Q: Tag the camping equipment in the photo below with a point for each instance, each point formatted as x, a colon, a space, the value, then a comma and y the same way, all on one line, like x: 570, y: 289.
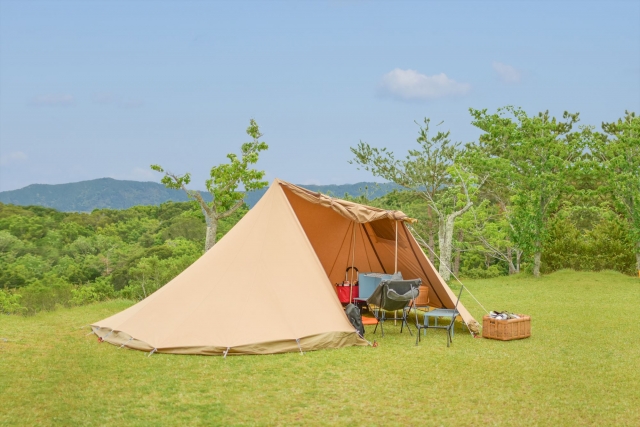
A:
x: 393, y: 295
x: 503, y: 315
x: 452, y: 313
x: 347, y: 290
x: 506, y: 329
x: 369, y: 282
x: 353, y: 314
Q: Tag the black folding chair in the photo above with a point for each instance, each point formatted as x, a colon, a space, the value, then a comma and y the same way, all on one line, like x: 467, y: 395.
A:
x: 393, y: 295
x: 440, y: 312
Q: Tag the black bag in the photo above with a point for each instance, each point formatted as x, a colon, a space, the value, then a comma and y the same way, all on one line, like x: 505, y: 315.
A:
x: 353, y: 314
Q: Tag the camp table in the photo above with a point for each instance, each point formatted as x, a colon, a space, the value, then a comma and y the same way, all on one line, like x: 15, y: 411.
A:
x: 438, y: 312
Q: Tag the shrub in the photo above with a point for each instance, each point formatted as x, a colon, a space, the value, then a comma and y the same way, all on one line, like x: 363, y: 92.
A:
x: 46, y: 293
x: 10, y: 303
x: 483, y: 273
x: 100, y: 290
x: 607, y: 246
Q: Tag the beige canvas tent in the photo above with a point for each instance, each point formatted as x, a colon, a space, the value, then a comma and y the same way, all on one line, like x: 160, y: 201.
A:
x: 267, y: 286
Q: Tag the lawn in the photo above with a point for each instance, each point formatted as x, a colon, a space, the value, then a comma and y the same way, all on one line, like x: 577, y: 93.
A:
x: 580, y: 367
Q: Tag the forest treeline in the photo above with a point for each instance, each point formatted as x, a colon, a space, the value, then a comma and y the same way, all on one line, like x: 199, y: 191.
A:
x: 532, y: 195
x: 50, y: 258
x: 535, y: 192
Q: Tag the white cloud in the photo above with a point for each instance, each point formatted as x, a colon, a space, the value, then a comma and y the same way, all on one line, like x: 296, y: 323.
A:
x: 507, y: 73
x: 54, y: 99
x: 13, y: 157
x: 411, y: 85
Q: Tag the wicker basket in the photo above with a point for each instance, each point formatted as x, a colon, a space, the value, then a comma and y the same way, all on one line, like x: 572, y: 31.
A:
x: 505, y: 330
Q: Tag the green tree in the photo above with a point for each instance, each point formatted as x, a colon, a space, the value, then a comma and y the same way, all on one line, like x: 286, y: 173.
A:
x: 433, y: 173
x: 488, y: 230
x: 618, y: 149
x: 224, y: 183
x: 534, y: 156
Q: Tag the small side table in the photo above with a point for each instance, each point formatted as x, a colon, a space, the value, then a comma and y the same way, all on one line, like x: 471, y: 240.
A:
x: 438, y: 312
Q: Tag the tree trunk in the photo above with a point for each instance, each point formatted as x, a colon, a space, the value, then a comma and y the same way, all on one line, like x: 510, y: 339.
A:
x: 445, y: 236
x: 212, y: 230
x: 518, y: 256
x: 536, y: 264
x: 456, y: 262
x: 512, y: 268
x: 638, y: 259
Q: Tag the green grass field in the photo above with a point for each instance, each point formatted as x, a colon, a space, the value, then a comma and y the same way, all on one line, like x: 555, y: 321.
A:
x: 580, y: 367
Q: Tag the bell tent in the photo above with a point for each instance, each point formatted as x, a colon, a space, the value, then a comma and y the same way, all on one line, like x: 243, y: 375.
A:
x: 267, y: 286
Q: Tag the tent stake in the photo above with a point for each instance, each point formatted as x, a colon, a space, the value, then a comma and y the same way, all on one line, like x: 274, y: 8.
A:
x: 152, y: 351
x: 298, y: 342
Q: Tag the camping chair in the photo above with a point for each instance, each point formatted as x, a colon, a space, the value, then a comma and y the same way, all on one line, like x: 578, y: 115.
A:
x: 440, y: 312
x: 393, y: 295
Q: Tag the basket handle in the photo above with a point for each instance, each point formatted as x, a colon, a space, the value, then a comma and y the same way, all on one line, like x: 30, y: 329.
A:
x: 346, y: 272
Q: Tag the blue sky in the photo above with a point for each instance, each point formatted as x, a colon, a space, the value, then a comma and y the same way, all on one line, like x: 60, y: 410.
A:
x: 97, y: 89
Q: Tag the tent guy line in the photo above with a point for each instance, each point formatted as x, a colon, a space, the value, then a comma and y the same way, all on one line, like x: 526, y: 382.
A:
x: 413, y: 231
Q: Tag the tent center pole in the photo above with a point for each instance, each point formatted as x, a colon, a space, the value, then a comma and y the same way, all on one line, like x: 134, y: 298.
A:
x: 353, y: 253
x: 396, y: 264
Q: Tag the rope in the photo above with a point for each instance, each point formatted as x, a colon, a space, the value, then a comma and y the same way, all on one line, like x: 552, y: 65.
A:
x: 475, y: 299
x: 299, y: 346
x: 454, y: 276
x: 152, y: 351
x: 126, y: 342
x: 225, y: 353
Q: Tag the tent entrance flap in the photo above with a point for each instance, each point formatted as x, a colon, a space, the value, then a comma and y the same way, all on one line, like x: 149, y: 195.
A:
x: 386, y: 245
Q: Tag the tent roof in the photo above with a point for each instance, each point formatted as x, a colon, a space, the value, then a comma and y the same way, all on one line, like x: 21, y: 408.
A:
x: 350, y: 210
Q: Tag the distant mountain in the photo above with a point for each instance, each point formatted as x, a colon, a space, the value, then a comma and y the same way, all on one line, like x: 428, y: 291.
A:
x: 84, y: 196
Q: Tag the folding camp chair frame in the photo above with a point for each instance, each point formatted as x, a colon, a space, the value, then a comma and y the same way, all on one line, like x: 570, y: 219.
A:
x: 380, y: 313
x: 449, y: 328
